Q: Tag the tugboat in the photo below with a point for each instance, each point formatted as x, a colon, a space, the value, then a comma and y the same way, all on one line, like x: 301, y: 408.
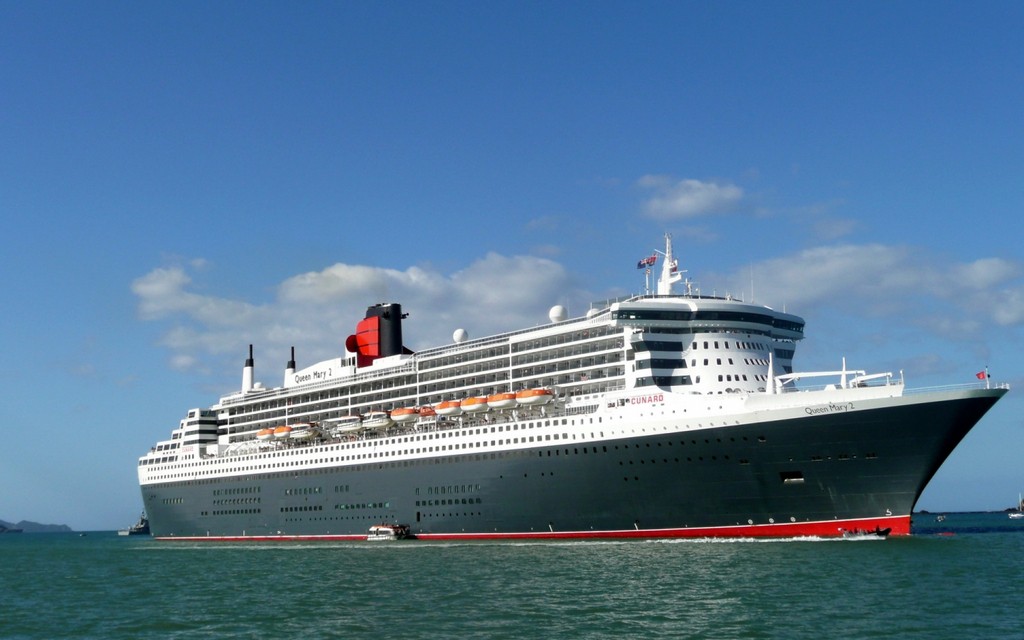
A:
x: 387, y: 532
x: 140, y: 528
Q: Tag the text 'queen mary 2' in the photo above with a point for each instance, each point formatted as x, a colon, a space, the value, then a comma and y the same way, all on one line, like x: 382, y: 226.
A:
x: 660, y: 415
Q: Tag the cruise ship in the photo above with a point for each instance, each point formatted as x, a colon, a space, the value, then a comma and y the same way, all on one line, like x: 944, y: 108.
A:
x: 659, y: 415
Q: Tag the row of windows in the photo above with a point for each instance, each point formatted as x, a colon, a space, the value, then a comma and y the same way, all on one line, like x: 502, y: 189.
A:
x: 227, y: 501
x: 464, y: 356
x: 662, y: 363
x: 165, y: 459
x: 448, y: 501
x: 563, y: 338
x: 455, y: 375
x: 612, y: 345
x: 706, y: 315
x: 364, y: 505
x: 450, y: 489
x: 664, y: 381
x: 235, y: 491
x: 657, y: 345
x: 302, y: 491
x: 229, y: 512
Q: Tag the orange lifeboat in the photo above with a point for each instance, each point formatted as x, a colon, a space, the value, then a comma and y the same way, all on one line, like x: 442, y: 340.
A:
x: 534, y: 396
x: 405, y: 414
x: 501, y: 400
x: 449, y: 408
x: 265, y: 434
x: 283, y: 432
x: 475, y: 404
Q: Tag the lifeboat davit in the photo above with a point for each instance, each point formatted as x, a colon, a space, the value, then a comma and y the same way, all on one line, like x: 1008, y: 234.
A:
x: 534, y: 396
x: 475, y: 404
x: 405, y: 414
x: 449, y: 408
x: 265, y: 434
x: 377, y: 420
x: 283, y: 432
x: 503, y: 400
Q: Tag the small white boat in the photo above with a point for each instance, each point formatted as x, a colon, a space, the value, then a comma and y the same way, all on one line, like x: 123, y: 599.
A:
x: 303, y: 431
x: 386, y: 532
x: 1019, y: 513
x: 346, y: 424
x: 377, y: 420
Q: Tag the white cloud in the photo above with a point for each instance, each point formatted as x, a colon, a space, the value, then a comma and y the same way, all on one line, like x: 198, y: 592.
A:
x: 1009, y: 308
x: 898, y: 282
x: 984, y: 273
x: 162, y: 293
x: 674, y: 199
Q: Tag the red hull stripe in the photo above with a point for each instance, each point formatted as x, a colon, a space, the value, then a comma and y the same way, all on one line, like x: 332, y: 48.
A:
x: 899, y: 525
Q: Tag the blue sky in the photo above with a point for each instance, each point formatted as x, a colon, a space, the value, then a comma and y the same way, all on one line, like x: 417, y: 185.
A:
x: 178, y: 180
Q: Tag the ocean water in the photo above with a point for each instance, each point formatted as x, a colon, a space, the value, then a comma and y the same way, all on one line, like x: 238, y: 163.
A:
x: 959, y: 578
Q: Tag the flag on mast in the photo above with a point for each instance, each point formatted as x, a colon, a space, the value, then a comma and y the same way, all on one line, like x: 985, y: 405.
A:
x: 647, y: 262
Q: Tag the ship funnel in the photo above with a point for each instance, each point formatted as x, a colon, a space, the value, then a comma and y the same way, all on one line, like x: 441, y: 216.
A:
x: 378, y: 335
x: 247, y: 373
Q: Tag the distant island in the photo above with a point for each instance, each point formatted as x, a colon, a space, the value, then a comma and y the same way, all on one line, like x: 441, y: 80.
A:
x: 32, y: 527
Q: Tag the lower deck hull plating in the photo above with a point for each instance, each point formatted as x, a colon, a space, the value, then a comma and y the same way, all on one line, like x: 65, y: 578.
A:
x: 818, y: 475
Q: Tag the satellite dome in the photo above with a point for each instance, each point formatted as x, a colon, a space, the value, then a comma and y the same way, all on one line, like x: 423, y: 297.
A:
x: 558, y: 313
x: 460, y: 335
x: 592, y: 312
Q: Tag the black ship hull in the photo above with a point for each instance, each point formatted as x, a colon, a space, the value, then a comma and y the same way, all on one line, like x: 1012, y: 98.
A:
x: 802, y: 473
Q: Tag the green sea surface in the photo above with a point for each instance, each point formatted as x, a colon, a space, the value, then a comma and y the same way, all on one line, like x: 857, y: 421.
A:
x: 955, y: 578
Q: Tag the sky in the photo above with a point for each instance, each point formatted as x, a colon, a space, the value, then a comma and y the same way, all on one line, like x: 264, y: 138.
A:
x: 179, y: 180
